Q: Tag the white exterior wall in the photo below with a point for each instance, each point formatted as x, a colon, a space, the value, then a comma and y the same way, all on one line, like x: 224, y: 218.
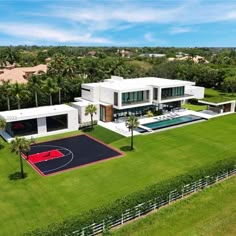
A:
x: 42, y: 126
x: 107, y: 95
x: 73, y: 122
x: 72, y: 119
x: 233, y: 106
x: 197, y: 92
x: 91, y: 95
x: 81, y: 113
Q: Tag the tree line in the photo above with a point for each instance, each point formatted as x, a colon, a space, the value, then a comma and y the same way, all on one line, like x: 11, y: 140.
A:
x: 65, y: 75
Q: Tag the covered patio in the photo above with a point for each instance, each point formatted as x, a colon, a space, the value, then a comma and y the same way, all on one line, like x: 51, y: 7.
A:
x: 218, y: 107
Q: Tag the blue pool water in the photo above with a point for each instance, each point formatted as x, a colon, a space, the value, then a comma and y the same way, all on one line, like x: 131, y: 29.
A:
x: 140, y: 130
x: 171, y: 122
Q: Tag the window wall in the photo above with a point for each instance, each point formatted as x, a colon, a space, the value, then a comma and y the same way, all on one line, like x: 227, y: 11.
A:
x: 172, y: 92
x: 130, y: 98
x: 22, y: 128
x: 155, y: 94
x: 57, y: 122
x: 137, y: 111
x: 115, y: 99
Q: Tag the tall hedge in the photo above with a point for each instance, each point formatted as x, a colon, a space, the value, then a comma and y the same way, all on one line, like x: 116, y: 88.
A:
x: 115, y: 209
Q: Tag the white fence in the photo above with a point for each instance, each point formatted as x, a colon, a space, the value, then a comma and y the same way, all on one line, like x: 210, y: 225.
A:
x: 146, y: 207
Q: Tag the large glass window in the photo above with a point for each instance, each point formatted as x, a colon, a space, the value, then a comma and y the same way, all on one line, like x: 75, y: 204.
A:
x: 134, y: 97
x: 115, y: 99
x: 172, y: 92
x: 102, y: 113
x: 56, y: 122
x: 155, y: 94
x: 22, y: 128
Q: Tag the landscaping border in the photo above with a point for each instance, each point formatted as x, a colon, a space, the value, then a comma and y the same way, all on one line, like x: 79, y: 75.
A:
x: 135, y: 205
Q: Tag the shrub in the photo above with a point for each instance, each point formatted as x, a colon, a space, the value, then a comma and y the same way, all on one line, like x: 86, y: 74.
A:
x: 114, y: 209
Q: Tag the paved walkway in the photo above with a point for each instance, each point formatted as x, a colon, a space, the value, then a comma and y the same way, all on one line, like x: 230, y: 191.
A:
x: 120, y: 127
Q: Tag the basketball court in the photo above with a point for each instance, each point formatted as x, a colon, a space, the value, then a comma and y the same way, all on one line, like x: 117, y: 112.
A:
x: 67, y: 153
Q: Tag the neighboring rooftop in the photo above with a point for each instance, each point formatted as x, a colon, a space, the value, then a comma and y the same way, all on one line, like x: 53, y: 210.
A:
x: 21, y: 74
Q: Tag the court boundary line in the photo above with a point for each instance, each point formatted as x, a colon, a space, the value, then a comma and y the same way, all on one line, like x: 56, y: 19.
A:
x: 71, y: 136
x: 58, y: 148
x: 83, y: 165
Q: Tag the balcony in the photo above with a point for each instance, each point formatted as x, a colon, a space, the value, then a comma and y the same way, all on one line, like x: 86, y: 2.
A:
x: 176, y: 97
x: 131, y: 103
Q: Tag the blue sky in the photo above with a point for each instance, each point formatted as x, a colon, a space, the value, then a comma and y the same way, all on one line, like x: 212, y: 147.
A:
x: 118, y: 23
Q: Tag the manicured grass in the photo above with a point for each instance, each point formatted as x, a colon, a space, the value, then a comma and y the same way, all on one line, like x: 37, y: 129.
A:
x: 104, y: 135
x: 212, y: 95
x: 194, y: 107
x: 211, y: 212
x: 38, y: 201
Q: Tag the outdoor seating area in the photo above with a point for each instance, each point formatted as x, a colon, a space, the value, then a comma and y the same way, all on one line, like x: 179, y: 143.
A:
x: 168, y: 116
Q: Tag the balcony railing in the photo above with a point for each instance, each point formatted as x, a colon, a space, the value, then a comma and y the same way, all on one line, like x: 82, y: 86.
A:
x: 128, y: 103
x: 175, y: 97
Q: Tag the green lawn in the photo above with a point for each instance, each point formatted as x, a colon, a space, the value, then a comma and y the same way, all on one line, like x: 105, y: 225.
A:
x: 211, y: 212
x: 37, y: 201
x: 194, y: 107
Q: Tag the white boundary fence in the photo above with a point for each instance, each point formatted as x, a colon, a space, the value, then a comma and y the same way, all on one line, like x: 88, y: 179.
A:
x: 151, y: 205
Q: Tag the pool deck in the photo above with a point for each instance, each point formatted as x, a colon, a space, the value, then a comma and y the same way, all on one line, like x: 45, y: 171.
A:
x: 122, y: 129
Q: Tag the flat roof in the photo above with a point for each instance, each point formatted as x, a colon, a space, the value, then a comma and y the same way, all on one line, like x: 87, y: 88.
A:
x: 139, y: 83
x: 83, y: 102
x: 35, y: 112
x: 216, y: 103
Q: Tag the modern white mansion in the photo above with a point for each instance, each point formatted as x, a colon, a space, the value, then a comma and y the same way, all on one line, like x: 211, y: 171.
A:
x: 118, y: 97
x: 114, y: 98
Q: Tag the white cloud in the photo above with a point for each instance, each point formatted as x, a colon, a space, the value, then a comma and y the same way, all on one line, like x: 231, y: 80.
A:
x: 180, y: 30
x: 47, y: 33
x: 100, y: 16
x: 149, y: 37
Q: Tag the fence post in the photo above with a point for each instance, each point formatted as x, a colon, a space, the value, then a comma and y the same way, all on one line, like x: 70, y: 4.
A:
x: 122, y: 219
x: 155, y: 204
x: 103, y: 226
x: 217, y: 177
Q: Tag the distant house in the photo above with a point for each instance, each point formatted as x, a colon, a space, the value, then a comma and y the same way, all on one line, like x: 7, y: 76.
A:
x: 21, y: 74
x: 49, y: 59
x: 184, y: 57
x: 92, y: 53
x: 156, y: 55
x: 124, y: 53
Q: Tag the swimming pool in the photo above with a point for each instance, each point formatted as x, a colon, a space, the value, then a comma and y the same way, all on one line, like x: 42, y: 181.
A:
x: 140, y: 130
x: 172, y: 122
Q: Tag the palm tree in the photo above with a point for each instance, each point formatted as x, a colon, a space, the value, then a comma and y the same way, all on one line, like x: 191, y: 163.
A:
x: 6, y: 91
x: 132, y: 123
x: 91, y: 110
x: 2, y: 58
x: 2, y: 123
x: 59, y: 81
x: 34, y: 84
x: 19, y: 145
x: 50, y: 87
x: 69, y: 68
x: 19, y: 91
